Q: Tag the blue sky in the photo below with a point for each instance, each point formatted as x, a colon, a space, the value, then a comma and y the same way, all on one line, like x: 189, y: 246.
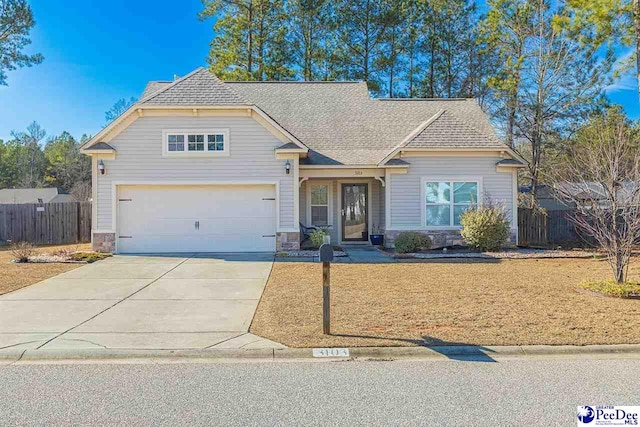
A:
x: 95, y: 53
x: 98, y: 52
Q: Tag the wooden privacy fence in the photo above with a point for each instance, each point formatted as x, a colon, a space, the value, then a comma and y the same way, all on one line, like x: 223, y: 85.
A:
x: 553, y: 227
x: 48, y: 223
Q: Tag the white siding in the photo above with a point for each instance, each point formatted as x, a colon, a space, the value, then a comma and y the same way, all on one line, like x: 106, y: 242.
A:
x: 406, y: 192
x: 139, y: 158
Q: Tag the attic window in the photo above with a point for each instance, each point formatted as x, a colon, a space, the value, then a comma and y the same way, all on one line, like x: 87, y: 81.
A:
x: 186, y: 143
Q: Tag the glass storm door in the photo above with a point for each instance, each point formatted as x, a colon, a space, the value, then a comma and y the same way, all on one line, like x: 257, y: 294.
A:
x: 355, y: 198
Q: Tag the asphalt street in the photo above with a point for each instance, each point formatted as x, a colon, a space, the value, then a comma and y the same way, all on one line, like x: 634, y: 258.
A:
x: 522, y: 392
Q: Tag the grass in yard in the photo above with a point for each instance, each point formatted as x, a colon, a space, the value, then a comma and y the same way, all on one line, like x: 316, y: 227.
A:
x: 16, y: 276
x: 447, y: 302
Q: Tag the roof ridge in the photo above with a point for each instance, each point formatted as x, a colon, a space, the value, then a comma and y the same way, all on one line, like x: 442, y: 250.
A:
x: 293, y: 81
x: 425, y: 99
x: 167, y: 87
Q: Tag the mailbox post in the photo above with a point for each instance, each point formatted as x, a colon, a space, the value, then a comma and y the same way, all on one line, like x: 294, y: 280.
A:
x: 326, y: 256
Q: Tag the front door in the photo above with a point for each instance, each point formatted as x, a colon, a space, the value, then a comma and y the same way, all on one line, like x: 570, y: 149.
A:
x: 355, y: 202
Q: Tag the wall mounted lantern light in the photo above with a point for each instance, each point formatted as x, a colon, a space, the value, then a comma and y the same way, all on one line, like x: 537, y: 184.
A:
x: 287, y: 167
x: 101, y: 167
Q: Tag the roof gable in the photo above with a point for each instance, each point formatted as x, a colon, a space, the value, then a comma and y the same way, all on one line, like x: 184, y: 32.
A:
x: 337, y: 121
x: 197, y: 88
x: 448, y: 131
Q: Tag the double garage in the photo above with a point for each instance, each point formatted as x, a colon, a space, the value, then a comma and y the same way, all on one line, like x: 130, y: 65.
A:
x: 196, y: 218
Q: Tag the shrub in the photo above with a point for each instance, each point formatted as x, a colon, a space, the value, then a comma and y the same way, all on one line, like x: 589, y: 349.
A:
x: 88, y: 257
x: 22, y: 251
x: 485, y: 228
x: 317, y: 238
x: 613, y: 289
x: 411, y: 241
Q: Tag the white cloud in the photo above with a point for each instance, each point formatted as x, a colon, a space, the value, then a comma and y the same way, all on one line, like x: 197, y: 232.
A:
x: 626, y: 82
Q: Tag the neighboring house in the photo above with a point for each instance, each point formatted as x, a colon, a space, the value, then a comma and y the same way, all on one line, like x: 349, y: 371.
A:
x: 546, y: 198
x: 586, y: 193
x: 14, y: 196
x: 204, y: 165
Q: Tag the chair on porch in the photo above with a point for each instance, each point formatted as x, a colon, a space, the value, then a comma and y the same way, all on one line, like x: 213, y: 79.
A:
x: 305, y: 232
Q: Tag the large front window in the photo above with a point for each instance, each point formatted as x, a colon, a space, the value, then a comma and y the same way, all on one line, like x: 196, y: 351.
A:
x: 446, y: 201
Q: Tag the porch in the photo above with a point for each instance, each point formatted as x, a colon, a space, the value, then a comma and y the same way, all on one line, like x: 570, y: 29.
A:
x: 351, y: 203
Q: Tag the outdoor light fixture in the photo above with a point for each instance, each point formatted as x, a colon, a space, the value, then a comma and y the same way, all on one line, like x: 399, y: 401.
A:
x: 101, y: 167
x: 287, y: 167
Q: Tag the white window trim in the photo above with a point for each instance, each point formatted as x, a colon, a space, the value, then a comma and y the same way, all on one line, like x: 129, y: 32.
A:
x: 329, y: 186
x: 186, y: 153
x: 423, y: 198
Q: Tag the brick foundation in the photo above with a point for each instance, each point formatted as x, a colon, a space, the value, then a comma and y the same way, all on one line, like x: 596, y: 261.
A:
x: 287, y: 241
x: 104, y: 242
x: 440, y: 238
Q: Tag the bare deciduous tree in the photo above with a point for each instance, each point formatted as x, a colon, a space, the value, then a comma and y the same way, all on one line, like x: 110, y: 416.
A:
x: 601, y: 177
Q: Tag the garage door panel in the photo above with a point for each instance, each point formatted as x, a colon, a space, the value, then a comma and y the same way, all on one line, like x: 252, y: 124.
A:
x: 234, y: 218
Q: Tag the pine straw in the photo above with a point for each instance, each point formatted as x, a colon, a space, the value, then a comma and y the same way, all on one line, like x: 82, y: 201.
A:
x: 447, y: 302
x: 16, y: 276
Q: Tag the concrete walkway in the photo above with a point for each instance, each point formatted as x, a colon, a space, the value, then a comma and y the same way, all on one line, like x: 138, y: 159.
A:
x: 193, y: 301
x: 365, y: 254
x: 356, y: 254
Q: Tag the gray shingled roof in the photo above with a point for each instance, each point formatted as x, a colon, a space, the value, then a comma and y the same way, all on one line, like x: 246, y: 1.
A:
x: 197, y: 88
x: 339, y: 121
x: 288, y: 146
x: 447, y: 130
x: 153, y: 87
x: 397, y: 162
x: 341, y: 124
x: 510, y: 162
x: 102, y: 146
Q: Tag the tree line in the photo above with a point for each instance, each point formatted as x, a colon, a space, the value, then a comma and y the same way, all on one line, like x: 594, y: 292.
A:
x: 31, y: 160
x: 539, y: 67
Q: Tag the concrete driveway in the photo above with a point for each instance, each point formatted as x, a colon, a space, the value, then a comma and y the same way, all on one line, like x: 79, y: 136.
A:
x: 141, y: 302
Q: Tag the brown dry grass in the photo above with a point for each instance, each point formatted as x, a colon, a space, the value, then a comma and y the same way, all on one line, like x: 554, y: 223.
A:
x: 447, y: 302
x: 16, y: 276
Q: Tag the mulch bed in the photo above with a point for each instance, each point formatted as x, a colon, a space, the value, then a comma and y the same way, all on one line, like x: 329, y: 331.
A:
x: 505, y: 254
x: 15, y: 276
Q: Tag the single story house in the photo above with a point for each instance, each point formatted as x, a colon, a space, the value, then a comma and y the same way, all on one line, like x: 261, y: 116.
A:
x: 553, y: 197
x: 12, y: 196
x: 199, y: 164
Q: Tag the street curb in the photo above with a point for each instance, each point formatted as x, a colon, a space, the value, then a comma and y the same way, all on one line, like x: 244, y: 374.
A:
x: 477, y: 353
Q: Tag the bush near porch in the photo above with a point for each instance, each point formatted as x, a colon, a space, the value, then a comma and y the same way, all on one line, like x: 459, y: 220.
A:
x: 447, y: 302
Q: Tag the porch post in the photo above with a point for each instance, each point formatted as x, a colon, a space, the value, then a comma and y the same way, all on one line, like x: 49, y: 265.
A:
x: 387, y: 199
x: 296, y: 191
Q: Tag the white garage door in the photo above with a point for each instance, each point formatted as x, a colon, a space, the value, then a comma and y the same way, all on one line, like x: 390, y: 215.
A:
x: 220, y: 218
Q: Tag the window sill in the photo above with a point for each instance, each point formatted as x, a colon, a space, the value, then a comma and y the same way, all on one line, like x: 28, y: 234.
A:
x: 196, y: 154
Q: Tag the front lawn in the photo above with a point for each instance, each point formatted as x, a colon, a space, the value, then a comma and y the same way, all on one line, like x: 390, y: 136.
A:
x: 16, y: 276
x: 447, y: 302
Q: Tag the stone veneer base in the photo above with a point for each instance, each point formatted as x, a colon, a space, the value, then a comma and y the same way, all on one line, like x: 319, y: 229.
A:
x: 287, y: 241
x: 439, y: 238
x: 104, y: 242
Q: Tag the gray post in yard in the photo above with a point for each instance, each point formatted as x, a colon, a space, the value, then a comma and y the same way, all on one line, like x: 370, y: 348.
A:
x: 326, y: 256
x: 326, y: 298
